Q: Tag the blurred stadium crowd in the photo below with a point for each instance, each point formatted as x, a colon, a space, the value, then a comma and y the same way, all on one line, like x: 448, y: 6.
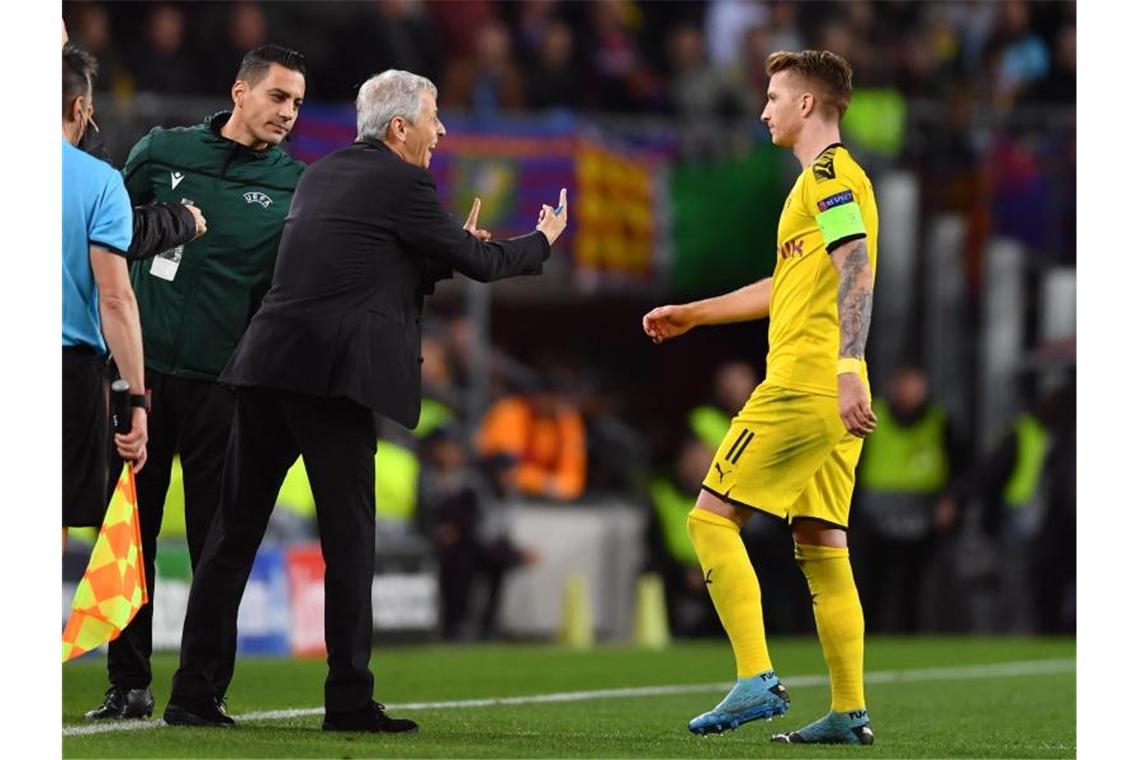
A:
x: 682, y: 58
x: 975, y: 531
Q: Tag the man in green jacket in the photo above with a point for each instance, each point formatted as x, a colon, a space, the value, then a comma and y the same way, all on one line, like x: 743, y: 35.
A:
x: 195, y: 302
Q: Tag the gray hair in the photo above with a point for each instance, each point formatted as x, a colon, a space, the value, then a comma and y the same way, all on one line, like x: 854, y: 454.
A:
x: 386, y: 96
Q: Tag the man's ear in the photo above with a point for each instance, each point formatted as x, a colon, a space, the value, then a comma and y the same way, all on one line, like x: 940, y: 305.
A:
x: 807, y: 104
x: 399, y: 128
x: 78, y: 109
x: 238, y: 92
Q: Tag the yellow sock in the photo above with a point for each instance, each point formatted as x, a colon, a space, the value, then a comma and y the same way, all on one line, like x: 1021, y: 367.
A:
x: 838, y: 619
x: 731, y: 581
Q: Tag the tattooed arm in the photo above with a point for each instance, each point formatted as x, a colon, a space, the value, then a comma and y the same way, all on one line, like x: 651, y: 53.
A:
x: 856, y: 288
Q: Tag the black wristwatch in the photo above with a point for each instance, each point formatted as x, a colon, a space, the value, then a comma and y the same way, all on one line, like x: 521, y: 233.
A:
x: 141, y: 399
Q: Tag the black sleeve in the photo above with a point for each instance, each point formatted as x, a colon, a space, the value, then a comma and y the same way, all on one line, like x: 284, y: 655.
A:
x: 433, y: 273
x: 427, y: 228
x: 159, y: 227
x: 958, y: 452
x: 994, y: 474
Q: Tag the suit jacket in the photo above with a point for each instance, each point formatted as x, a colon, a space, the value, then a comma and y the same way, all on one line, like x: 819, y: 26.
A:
x: 366, y: 237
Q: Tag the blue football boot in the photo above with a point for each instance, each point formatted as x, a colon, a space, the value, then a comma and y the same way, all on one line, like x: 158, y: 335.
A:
x: 850, y: 727
x: 762, y: 696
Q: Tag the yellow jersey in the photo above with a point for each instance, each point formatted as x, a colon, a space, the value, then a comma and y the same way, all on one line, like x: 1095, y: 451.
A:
x: 831, y: 204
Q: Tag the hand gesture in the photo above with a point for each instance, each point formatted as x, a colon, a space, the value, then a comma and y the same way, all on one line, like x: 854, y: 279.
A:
x: 199, y: 220
x: 945, y: 513
x: 132, y: 446
x: 472, y: 223
x: 666, y: 322
x: 855, y: 405
x: 552, y: 221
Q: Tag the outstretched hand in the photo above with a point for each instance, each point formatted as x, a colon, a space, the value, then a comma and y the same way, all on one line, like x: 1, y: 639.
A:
x: 666, y: 322
x: 472, y: 223
x: 552, y: 221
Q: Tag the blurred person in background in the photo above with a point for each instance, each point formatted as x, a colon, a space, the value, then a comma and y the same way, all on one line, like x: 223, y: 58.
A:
x: 543, y: 435
x: 441, y: 403
x: 1053, y: 552
x: 554, y: 80
x: 733, y: 383
x: 671, y: 553
x: 792, y: 450
x: 335, y: 341
x: 904, y: 498
x: 456, y: 21
x: 700, y: 95
x: 389, y: 34
x: 1027, y: 488
x: 490, y: 82
x: 727, y: 23
x: 532, y: 22
x: 195, y: 302
x: 459, y: 510
x: 90, y: 24
x: 243, y: 28
x: 783, y: 26
x: 620, y: 78
x: 617, y: 454
x: 161, y: 61
x: 99, y: 308
x: 1060, y: 84
x: 503, y: 371
x: 1017, y: 56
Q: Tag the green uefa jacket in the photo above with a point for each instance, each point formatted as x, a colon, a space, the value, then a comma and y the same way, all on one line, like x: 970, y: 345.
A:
x: 196, y: 300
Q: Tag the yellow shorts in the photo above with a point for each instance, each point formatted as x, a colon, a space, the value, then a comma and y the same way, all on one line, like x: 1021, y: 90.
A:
x: 788, y: 454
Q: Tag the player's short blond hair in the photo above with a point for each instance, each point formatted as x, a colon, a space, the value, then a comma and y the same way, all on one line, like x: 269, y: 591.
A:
x: 831, y: 73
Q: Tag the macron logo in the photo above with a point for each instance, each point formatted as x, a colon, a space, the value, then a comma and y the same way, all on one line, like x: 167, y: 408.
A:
x: 176, y: 179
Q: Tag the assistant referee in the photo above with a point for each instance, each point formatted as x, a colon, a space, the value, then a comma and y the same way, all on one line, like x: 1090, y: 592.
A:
x: 97, y: 302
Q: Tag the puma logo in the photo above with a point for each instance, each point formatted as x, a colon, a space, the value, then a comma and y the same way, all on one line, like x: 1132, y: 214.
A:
x: 719, y: 471
x: 708, y: 577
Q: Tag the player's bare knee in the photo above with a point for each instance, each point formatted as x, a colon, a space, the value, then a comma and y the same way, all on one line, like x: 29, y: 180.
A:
x: 811, y: 532
x: 710, y: 502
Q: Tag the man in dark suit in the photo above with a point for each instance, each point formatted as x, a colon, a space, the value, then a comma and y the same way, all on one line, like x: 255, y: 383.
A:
x: 336, y: 337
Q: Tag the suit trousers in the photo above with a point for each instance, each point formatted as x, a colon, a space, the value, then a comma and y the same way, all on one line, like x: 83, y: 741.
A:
x: 191, y: 418
x: 337, y: 439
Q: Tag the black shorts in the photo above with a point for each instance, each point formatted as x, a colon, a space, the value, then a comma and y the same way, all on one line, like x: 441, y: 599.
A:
x: 86, y: 438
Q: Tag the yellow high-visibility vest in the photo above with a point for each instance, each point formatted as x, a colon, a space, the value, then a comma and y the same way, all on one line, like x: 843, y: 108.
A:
x: 898, y: 459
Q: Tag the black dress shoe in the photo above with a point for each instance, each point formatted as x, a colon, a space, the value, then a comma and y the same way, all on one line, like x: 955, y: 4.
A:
x: 123, y: 703
x: 198, y: 712
x: 371, y: 718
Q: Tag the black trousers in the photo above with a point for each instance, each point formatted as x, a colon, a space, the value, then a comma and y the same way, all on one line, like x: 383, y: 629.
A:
x: 193, y: 419
x: 337, y: 439
x: 85, y: 437
x: 897, y: 571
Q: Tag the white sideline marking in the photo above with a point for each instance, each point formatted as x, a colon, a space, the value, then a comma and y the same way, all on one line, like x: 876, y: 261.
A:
x: 953, y: 673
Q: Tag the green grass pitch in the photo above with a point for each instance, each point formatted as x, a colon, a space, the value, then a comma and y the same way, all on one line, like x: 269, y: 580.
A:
x: 925, y: 700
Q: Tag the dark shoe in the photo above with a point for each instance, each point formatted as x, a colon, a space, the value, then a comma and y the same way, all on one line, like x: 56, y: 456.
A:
x: 123, y: 703
x: 198, y: 712
x: 371, y: 718
x: 851, y: 727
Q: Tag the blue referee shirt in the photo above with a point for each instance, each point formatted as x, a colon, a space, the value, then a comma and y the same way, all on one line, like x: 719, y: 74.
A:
x: 96, y: 210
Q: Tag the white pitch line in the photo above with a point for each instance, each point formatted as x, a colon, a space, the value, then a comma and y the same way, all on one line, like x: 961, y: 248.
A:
x: 953, y: 673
